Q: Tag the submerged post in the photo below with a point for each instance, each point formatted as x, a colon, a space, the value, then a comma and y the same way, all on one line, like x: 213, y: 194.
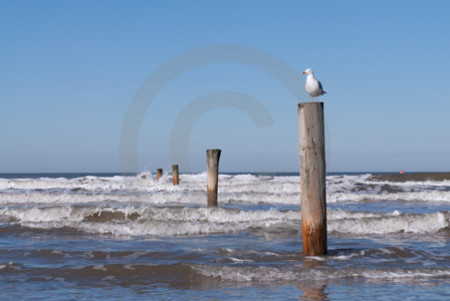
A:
x: 175, y: 177
x: 312, y: 177
x: 159, y: 173
x: 212, y: 166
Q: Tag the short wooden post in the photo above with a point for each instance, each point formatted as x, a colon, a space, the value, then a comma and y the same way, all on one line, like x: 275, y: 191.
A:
x: 312, y: 178
x: 175, y: 177
x: 212, y: 165
x: 159, y: 173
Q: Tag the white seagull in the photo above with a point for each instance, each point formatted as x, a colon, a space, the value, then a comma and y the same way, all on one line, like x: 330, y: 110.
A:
x: 312, y: 85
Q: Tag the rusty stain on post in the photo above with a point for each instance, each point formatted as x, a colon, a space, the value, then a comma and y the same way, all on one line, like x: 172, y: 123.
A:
x: 175, y: 176
x: 212, y: 164
x: 312, y: 178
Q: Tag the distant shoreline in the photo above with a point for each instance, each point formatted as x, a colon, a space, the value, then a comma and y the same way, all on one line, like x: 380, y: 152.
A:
x: 381, y: 176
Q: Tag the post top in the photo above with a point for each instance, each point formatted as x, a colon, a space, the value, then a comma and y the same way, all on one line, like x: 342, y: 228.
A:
x: 310, y: 103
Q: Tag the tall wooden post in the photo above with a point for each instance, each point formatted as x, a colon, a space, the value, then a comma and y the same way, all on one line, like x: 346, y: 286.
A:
x: 175, y: 177
x: 159, y: 173
x: 312, y: 177
x: 212, y: 165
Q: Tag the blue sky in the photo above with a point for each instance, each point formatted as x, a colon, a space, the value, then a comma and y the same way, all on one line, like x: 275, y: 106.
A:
x: 69, y: 71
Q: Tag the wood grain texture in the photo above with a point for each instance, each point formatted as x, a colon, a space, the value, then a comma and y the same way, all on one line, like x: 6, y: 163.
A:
x: 312, y: 178
x: 212, y: 165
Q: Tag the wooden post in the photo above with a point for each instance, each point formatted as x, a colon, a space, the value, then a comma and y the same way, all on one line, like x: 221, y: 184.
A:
x: 159, y: 173
x: 175, y: 177
x: 212, y: 165
x: 312, y: 177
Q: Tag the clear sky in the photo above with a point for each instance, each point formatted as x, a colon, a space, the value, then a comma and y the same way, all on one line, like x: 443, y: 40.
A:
x: 69, y: 71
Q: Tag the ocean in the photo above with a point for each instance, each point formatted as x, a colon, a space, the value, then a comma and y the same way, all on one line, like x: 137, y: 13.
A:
x: 131, y: 237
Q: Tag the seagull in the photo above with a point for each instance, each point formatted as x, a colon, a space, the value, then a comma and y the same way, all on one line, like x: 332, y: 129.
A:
x: 312, y: 85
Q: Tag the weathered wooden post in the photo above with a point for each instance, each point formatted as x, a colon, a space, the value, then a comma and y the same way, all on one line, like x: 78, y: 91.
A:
x: 312, y: 177
x: 159, y: 173
x: 212, y: 166
x: 175, y: 177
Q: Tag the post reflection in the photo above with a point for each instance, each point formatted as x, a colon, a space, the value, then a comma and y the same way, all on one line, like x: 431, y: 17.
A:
x: 312, y: 291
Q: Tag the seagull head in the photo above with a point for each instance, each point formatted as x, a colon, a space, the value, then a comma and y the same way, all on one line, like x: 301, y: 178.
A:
x: 308, y: 71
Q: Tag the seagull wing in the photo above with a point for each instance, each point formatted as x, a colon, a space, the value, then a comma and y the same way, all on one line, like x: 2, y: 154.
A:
x: 320, y: 87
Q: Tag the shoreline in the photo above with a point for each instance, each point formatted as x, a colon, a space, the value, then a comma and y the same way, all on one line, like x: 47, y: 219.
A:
x: 379, y: 176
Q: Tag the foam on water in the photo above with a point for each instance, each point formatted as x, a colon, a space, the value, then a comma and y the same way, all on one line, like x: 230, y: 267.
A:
x: 267, y: 274
x: 247, y: 189
x: 170, y: 221
x: 422, y: 196
x: 393, y: 223
x: 128, y: 205
x: 139, y: 233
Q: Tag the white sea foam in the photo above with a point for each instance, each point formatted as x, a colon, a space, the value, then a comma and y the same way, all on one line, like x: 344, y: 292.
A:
x: 173, y: 221
x: 339, y: 257
x: 80, y: 203
x: 240, y: 260
x: 168, y: 221
x: 100, y: 267
x: 384, y: 224
x: 267, y: 274
x: 422, y: 196
x: 250, y: 189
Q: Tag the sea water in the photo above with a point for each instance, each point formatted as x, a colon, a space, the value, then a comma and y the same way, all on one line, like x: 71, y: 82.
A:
x: 85, y: 237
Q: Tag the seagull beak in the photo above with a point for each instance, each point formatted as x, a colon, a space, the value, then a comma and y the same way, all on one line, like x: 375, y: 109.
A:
x: 303, y: 72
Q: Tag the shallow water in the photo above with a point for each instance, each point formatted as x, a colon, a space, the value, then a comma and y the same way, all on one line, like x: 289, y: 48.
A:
x: 130, y: 237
